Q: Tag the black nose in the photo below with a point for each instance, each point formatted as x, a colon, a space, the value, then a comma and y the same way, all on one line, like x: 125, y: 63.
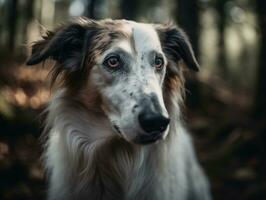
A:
x: 152, y: 122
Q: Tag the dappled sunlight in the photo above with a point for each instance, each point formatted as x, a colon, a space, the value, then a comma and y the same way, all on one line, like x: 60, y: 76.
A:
x: 33, y: 89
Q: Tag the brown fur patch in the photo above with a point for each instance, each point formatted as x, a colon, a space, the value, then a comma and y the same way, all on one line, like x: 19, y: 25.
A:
x: 178, y: 50
x: 74, y: 48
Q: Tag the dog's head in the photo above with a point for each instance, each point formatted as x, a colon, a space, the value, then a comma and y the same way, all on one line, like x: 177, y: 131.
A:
x: 122, y: 68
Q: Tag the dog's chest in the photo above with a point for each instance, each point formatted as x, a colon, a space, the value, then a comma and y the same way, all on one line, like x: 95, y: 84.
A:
x: 147, y: 174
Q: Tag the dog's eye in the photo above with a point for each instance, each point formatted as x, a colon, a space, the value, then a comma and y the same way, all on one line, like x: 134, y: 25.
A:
x: 158, y: 63
x: 112, y: 62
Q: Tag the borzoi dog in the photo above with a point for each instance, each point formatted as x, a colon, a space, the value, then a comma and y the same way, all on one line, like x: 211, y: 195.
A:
x: 114, y: 123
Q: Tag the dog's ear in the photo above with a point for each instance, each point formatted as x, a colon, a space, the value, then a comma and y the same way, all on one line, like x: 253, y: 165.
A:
x: 67, y: 45
x: 176, y: 45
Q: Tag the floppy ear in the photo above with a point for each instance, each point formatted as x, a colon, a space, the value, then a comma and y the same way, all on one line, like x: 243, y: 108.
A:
x: 67, y: 46
x: 176, y: 46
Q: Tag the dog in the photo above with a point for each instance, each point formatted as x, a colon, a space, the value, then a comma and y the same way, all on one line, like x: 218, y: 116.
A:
x: 114, y: 124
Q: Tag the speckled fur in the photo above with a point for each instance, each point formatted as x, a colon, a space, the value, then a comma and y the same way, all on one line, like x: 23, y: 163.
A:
x: 85, y: 157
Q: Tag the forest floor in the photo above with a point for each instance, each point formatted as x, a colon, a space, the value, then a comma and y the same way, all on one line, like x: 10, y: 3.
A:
x: 229, y: 138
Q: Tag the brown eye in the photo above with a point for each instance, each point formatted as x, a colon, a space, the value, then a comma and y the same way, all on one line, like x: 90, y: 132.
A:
x: 158, y: 63
x: 112, y: 62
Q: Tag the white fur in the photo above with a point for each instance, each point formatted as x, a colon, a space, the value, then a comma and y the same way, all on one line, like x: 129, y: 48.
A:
x: 167, y: 170
x: 141, y: 79
x: 86, y: 159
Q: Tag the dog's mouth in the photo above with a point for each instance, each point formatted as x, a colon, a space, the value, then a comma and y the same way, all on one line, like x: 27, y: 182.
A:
x: 141, y: 137
x: 149, y: 138
x: 117, y: 129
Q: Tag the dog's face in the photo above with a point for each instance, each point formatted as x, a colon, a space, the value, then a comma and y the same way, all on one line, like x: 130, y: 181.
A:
x: 129, y: 75
x: 126, y: 63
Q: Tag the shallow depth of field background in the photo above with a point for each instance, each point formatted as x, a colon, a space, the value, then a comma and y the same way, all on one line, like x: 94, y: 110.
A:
x: 225, y: 101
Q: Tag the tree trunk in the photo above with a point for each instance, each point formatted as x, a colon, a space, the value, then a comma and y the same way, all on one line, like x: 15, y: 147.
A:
x: 188, y: 19
x: 260, y: 99
x: 91, y: 9
x: 221, y: 22
x: 27, y: 16
x: 129, y: 9
x: 12, y: 23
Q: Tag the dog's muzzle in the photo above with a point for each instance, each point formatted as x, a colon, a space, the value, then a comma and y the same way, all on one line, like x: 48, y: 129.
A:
x: 153, y: 124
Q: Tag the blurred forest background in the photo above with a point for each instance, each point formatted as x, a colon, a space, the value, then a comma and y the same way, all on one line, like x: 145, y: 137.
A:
x: 226, y: 100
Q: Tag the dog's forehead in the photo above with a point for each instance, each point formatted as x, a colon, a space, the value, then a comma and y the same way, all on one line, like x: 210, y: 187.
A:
x: 143, y: 36
x: 137, y: 39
